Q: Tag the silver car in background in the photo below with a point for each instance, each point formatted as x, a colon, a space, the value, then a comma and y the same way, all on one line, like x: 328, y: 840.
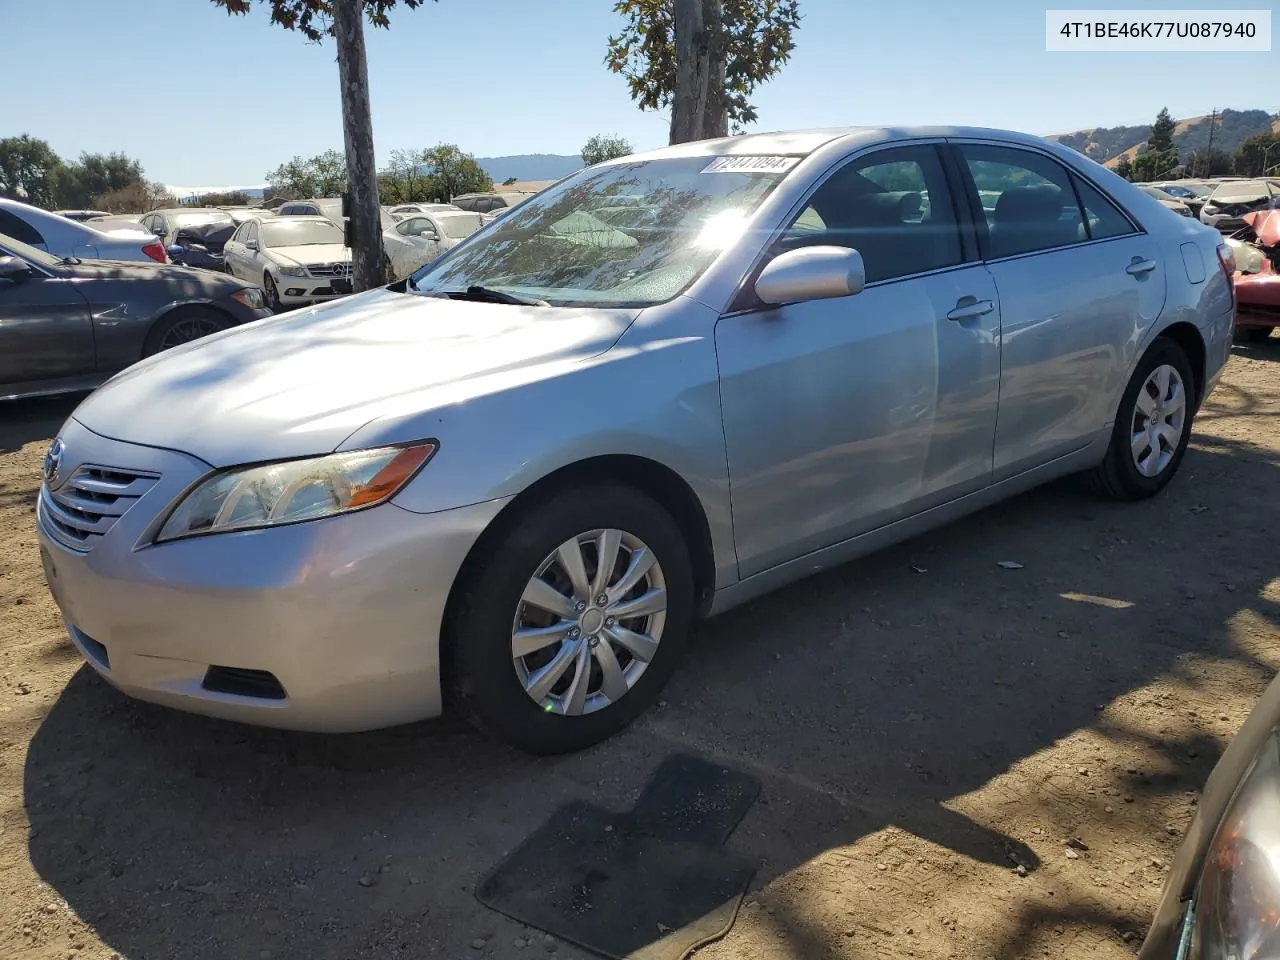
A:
x: 1232, y: 199
x: 67, y: 238
x: 421, y: 237
x: 517, y: 478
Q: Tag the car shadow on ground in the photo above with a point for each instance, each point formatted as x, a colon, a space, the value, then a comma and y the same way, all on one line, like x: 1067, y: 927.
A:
x: 26, y: 421
x: 868, y: 696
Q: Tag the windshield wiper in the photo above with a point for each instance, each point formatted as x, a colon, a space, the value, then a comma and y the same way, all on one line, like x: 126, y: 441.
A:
x: 489, y: 295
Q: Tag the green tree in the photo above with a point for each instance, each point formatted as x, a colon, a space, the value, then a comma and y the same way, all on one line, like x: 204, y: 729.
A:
x: 737, y: 45
x: 228, y: 198
x: 135, y: 198
x: 1124, y: 167
x: 28, y: 170
x: 1255, y: 153
x: 601, y: 148
x: 405, y: 180
x: 305, y: 178
x: 314, y: 18
x: 453, y: 172
x: 1210, y: 163
x: 95, y: 174
x: 1160, y: 157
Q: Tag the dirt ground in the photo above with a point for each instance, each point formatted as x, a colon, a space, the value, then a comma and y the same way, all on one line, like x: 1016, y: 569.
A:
x: 921, y: 721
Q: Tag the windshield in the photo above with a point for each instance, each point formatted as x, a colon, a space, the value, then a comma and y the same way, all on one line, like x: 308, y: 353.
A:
x: 8, y: 246
x: 299, y: 233
x: 459, y: 226
x: 625, y: 235
x: 189, y: 219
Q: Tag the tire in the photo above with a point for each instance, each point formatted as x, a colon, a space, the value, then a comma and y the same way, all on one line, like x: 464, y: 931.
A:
x: 1119, y: 476
x: 1252, y: 334
x: 183, y: 326
x: 486, y: 678
x: 272, y: 294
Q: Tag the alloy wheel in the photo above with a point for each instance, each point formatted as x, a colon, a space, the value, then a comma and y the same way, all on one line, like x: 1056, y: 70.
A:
x: 187, y: 329
x: 1159, y: 418
x: 589, y: 622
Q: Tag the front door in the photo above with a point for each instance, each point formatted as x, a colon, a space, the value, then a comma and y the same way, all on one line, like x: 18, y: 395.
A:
x: 46, y: 331
x: 1078, y: 284
x: 846, y: 414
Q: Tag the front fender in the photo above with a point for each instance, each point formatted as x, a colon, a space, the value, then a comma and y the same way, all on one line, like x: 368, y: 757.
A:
x: 654, y: 394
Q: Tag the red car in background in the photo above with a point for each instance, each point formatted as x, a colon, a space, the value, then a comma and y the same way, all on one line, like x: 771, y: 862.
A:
x: 1257, y: 278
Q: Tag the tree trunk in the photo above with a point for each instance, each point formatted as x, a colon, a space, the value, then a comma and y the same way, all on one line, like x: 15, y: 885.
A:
x: 715, y: 115
x: 357, y: 129
x: 689, y: 101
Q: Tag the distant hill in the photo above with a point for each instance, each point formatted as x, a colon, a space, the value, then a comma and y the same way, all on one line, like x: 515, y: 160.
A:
x: 1107, y: 144
x: 530, y: 166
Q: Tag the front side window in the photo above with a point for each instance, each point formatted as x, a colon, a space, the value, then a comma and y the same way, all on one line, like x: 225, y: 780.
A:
x: 415, y: 227
x: 1028, y: 201
x: 892, y: 206
x: 552, y: 248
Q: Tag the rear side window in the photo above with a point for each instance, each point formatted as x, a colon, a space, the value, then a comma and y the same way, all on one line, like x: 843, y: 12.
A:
x: 1028, y: 201
x: 19, y: 229
x: 1104, y: 220
x: 892, y: 206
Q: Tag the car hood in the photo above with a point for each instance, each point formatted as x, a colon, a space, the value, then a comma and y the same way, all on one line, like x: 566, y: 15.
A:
x: 312, y: 253
x: 301, y: 383
x: 1241, y: 198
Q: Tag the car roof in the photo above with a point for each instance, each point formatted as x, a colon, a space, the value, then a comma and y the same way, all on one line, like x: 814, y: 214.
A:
x: 296, y: 218
x: 805, y: 142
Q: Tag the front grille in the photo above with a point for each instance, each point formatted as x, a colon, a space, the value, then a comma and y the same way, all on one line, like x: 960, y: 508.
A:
x: 329, y: 269
x: 80, y: 512
x: 243, y: 683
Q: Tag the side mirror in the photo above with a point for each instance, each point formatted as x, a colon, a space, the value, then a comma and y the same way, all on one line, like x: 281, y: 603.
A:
x: 251, y: 244
x: 811, y: 273
x: 429, y: 235
x: 158, y: 231
x: 14, y: 269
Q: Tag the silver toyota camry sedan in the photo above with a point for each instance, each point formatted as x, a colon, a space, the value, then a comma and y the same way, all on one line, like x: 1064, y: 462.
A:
x: 667, y: 384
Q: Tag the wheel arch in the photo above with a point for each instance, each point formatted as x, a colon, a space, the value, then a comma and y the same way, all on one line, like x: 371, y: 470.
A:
x: 1191, y: 340
x: 658, y: 481
x: 177, y: 309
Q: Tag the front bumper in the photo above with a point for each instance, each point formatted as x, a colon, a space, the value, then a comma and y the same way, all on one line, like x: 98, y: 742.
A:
x: 300, y: 290
x: 343, y: 614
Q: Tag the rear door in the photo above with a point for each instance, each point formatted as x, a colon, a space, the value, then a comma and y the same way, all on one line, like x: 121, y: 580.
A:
x: 46, y: 330
x: 1078, y: 283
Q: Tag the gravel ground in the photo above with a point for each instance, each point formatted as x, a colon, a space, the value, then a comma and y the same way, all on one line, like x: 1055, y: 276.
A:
x: 958, y: 759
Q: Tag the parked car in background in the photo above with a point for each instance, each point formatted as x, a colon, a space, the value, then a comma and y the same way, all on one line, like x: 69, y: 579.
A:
x: 82, y: 215
x: 420, y: 238
x: 201, y: 244
x: 117, y: 221
x: 67, y: 238
x: 405, y: 209
x: 1256, y: 247
x: 68, y: 325
x: 523, y: 473
x: 1220, y: 898
x: 296, y: 259
x: 165, y: 224
x: 489, y: 202
x: 241, y: 214
x: 1167, y: 201
x: 1191, y: 192
x: 330, y: 208
x: 1232, y: 199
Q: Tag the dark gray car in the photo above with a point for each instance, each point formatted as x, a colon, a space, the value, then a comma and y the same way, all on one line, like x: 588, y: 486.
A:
x: 68, y: 324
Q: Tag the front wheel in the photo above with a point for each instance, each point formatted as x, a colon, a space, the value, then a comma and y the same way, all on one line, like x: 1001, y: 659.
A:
x: 183, y: 326
x: 272, y: 294
x: 1152, y: 426
x: 573, y: 620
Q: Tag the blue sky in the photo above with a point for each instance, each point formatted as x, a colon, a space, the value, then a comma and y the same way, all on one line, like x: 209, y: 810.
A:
x: 205, y: 99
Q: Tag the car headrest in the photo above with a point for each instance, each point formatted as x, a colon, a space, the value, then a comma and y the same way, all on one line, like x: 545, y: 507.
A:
x: 1019, y: 205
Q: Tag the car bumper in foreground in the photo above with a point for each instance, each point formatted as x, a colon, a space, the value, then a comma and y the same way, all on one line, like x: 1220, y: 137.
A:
x: 331, y: 625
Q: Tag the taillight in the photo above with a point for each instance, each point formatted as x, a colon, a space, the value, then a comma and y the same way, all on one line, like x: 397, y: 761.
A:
x: 1227, y: 260
x: 156, y: 252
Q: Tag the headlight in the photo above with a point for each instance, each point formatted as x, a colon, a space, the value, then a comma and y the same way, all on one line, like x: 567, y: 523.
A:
x: 1237, y: 903
x: 293, y: 271
x: 251, y: 297
x: 295, y: 490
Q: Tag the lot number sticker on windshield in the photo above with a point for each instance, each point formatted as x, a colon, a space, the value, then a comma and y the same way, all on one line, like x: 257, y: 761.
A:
x: 751, y: 165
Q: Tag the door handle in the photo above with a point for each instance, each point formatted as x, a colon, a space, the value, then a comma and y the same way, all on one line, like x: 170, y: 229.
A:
x: 970, y: 310
x: 1139, y: 267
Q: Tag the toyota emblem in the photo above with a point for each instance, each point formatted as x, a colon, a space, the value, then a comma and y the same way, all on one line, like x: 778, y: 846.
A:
x: 53, y: 461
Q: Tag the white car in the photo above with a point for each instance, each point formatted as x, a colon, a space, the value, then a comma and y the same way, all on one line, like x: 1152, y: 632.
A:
x: 408, y: 209
x: 328, y: 207
x: 1232, y: 199
x: 297, y: 260
x: 66, y: 238
x: 420, y: 238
